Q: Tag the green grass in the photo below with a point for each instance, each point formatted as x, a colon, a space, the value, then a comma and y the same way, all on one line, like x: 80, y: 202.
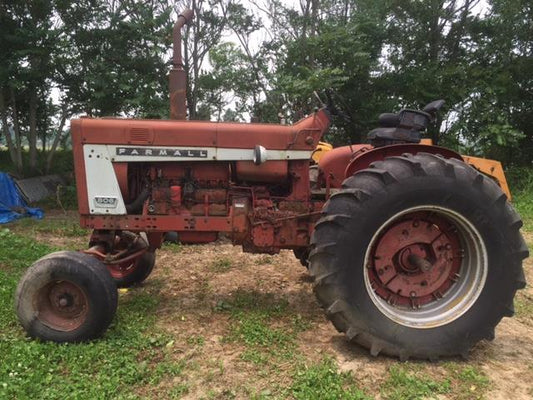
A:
x: 469, y: 381
x: 411, y: 381
x: 523, y: 306
x: 264, y: 259
x: 221, y: 265
x: 62, y: 227
x: 131, y: 355
x: 408, y: 383
x: 173, y: 247
x: 265, y: 325
x: 323, y: 381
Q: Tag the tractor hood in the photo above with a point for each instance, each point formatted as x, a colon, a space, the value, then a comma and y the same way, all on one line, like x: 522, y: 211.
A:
x: 303, y: 135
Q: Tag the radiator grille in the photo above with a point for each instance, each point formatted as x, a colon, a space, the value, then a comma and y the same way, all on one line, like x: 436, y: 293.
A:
x: 140, y: 135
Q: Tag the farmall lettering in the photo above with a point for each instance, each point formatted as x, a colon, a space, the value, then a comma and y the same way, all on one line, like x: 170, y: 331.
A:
x: 160, y: 152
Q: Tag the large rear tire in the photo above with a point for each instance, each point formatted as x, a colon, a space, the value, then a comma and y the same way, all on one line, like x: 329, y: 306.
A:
x: 418, y: 256
x: 66, y: 297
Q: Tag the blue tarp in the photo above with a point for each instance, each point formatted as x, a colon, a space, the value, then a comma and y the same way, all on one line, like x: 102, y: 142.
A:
x: 12, y: 205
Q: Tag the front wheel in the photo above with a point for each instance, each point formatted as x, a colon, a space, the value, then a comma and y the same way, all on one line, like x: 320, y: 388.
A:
x: 418, y: 256
x: 66, y: 297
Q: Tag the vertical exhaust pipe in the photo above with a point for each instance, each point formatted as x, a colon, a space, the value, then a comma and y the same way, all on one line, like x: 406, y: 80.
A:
x: 178, y: 76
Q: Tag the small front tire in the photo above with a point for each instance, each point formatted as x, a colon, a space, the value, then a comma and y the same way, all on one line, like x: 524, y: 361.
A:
x: 66, y: 297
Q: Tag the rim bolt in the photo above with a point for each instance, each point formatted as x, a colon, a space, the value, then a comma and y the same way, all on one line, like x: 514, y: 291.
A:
x: 448, y: 246
x: 416, y: 223
x: 380, y: 272
x: 412, y: 294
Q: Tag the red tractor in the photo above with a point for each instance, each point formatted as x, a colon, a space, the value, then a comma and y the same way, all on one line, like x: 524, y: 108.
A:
x: 414, y: 253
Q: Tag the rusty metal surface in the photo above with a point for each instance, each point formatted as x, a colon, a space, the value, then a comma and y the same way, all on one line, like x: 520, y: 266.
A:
x: 178, y: 75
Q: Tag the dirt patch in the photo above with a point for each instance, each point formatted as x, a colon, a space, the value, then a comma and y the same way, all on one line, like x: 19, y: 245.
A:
x: 191, y: 289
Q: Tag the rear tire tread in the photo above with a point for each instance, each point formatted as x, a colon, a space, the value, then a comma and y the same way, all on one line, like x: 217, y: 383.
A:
x: 364, y: 185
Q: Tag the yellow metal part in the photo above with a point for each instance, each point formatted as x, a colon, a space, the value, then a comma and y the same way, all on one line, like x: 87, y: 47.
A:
x: 492, y: 168
x: 321, y: 149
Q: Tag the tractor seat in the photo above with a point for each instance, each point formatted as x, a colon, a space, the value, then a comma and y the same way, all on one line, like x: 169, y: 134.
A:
x: 394, y: 135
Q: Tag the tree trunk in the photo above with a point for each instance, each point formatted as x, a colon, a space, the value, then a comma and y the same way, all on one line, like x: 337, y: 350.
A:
x: 32, y: 137
x: 7, y: 134
x: 18, y: 138
x: 57, y: 139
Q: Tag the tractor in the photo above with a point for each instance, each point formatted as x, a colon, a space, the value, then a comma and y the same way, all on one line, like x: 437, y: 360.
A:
x: 415, y: 250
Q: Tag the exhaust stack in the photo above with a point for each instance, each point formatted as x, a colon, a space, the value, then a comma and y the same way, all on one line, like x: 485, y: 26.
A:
x: 178, y: 76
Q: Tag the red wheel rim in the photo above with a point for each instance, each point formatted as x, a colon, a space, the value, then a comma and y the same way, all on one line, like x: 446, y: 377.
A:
x: 416, y: 259
x: 62, y: 305
x: 425, y: 266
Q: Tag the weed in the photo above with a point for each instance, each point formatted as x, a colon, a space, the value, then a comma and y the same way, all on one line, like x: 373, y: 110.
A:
x: 409, y: 383
x: 178, y: 391
x: 264, y: 303
x: 524, y: 306
x: 469, y: 382
x: 65, y: 198
x: 323, y: 381
x: 253, y: 330
x: 521, y: 183
x: 196, y: 340
x: 173, y: 247
x: 264, y: 259
x: 257, y: 321
x: 221, y: 265
x: 254, y: 356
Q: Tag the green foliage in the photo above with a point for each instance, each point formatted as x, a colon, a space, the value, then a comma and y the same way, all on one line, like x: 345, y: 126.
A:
x: 111, y: 58
x: 173, y: 247
x: 322, y: 381
x: 520, y: 180
x: 63, y: 164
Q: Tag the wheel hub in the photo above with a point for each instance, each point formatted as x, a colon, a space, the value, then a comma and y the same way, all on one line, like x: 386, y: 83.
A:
x: 62, y: 305
x: 416, y: 260
x: 425, y: 266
